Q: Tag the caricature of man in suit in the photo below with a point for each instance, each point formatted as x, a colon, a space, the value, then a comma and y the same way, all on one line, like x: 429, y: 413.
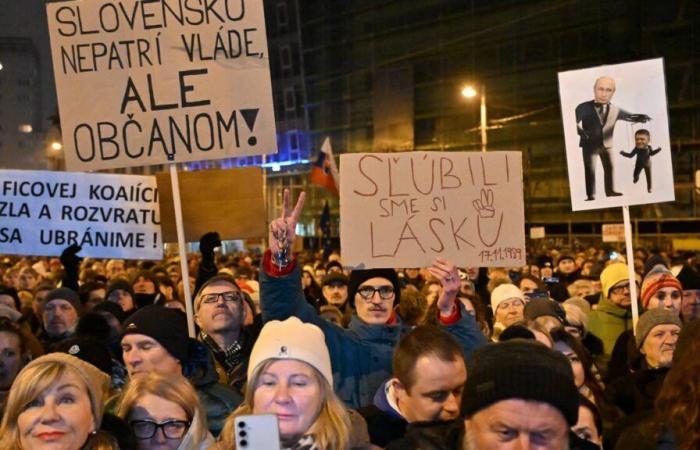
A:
x: 595, y: 121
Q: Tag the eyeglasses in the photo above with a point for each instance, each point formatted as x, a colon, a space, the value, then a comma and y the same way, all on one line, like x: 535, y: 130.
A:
x: 172, y: 429
x: 229, y: 297
x: 385, y: 292
x: 621, y: 288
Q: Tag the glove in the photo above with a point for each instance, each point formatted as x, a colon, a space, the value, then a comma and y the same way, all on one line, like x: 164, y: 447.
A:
x: 70, y: 259
x: 207, y: 244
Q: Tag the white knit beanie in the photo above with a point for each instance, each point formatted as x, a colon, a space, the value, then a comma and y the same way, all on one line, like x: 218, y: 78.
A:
x: 292, y: 339
x: 505, y: 292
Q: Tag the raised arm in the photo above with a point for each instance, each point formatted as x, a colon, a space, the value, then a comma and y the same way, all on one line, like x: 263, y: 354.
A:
x: 630, y: 154
x: 654, y: 152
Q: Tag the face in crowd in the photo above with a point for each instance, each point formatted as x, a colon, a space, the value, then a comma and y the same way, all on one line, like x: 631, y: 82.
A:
x: 517, y: 424
x: 619, y: 294
x: 59, y: 317
x: 374, y: 301
x: 115, y: 268
x: 59, y: 417
x: 586, y: 427
x: 667, y: 298
x: 292, y: 390
x: 509, y: 311
x: 690, y: 305
x: 436, y: 392
x: 11, y: 358
x: 158, y: 423
x: 335, y: 293
x: 220, y: 308
x: 123, y: 298
x: 144, y: 354
x: 143, y: 285
x: 567, y: 266
x: 659, y: 345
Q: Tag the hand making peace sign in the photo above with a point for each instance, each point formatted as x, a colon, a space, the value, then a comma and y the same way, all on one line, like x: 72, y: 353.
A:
x: 283, y: 229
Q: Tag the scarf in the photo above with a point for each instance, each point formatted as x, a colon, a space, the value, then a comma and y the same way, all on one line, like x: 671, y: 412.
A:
x: 228, y: 358
x: 304, y: 443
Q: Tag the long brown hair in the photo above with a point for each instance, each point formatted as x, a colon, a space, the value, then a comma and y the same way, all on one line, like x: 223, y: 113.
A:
x: 678, y: 403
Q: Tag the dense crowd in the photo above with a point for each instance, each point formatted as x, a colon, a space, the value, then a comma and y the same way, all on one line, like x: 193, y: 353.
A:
x: 95, y: 354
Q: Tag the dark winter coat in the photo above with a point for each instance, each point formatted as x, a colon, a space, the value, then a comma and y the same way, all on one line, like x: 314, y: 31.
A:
x: 361, y: 355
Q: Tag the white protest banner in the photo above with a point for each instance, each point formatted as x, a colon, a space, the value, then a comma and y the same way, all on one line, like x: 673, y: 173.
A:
x: 618, y: 146
x: 537, y: 233
x: 110, y: 216
x: 613, y: 232
x: 152, y: 82
x: 404, y: 209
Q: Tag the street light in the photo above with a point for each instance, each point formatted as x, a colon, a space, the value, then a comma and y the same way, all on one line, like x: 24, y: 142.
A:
x: 56, y: 146
x: 470, y: 92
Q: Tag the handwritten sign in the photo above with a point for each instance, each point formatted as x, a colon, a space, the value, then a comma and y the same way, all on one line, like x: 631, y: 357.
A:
x: 404, y: 209
x: 110, y: 216
x: 537, y: 233
x: 613, y: 232
x: 152, y: 82
x: 227, y: 201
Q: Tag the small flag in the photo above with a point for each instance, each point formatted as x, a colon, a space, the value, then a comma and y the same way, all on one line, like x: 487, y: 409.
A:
x: 324, y: 173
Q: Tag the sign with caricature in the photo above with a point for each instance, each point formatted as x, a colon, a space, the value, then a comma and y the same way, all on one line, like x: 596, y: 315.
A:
x: 404, y: 209
x: 618, y: 148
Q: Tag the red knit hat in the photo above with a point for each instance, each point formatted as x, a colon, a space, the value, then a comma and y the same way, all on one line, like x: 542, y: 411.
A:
x: 659, y: 277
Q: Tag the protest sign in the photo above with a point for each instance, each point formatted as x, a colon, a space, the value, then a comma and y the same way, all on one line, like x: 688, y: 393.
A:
x: 537, y: 233
x: 613, y: 232
x: 618, y: 148
x: 404, y: 209
x: 153, y: 82
x: 110, y: 216
x: 227, y: 201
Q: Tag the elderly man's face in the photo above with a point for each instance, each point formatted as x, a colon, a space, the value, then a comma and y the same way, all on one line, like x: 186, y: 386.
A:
x: 517, y: 424
x: 604, y: 89
x: 59, y: 317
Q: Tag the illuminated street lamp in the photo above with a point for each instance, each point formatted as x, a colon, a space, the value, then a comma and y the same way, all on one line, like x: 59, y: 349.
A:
x: 55, y: 145
x: 471, y: 92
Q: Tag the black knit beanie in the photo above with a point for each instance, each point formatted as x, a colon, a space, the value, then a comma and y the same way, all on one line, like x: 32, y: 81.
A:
x: 168, y: 326
x: 520, y: 369
x: 538, y: 307
x: 357, y: 277
x: 63, y: 293
x: 689, y: 278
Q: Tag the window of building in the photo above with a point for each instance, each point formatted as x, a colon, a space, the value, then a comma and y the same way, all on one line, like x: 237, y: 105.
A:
x: 285, y: 57
x: 282, y: 16
x: 290, y: 99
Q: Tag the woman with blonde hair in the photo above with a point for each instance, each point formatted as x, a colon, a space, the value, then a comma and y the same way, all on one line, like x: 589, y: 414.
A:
x: 164, y: 411
x: 56, y: 401
x: 290, y: 375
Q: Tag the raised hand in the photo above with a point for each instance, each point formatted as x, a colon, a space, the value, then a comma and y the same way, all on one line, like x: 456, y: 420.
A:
x: 447, y: 274
x: 283, y: 229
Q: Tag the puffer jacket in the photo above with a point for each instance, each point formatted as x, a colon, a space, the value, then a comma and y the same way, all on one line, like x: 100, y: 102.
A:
x: 360, y: 355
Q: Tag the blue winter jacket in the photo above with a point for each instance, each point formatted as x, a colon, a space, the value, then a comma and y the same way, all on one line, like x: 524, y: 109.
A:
x: 360, y: 355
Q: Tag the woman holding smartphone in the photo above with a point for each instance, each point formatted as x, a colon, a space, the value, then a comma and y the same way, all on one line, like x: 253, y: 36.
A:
x: 290, y: 376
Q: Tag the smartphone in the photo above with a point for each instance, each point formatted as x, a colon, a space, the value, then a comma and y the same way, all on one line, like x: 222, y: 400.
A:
x: 537, y: 294
x: 257, y: 432
x: 613, y: 256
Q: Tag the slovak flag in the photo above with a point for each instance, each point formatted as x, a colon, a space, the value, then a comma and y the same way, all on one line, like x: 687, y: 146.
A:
x: 324, y: 172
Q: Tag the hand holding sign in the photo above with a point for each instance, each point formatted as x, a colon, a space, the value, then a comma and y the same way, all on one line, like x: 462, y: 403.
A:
x: 283, y: 230
x: 447, y: 274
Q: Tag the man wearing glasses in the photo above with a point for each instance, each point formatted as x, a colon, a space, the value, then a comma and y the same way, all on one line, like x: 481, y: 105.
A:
x: 613, y: 315
x: 360, y: 355
x: 220, y: 315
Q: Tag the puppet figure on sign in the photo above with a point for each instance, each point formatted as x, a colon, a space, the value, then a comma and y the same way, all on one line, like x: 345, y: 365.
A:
x: 595, y: 122
x: 643, y: 151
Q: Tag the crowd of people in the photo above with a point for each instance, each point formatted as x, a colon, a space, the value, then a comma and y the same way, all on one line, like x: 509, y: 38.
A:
x: 96, y: 354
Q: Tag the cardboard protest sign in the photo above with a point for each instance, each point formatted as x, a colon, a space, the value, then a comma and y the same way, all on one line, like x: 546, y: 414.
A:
x: 110, y: 216
x: 537, y: 233
x: 227, y: 201
x: 404, y: 209
x: 618, y: 148
x: 613, y: 232
x: 152, y: 82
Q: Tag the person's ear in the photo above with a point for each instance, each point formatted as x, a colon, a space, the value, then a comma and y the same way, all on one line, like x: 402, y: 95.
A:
x: 399, y: 387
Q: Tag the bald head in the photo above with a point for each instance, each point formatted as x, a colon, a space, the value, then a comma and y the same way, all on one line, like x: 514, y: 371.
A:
x: 603, y: 89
